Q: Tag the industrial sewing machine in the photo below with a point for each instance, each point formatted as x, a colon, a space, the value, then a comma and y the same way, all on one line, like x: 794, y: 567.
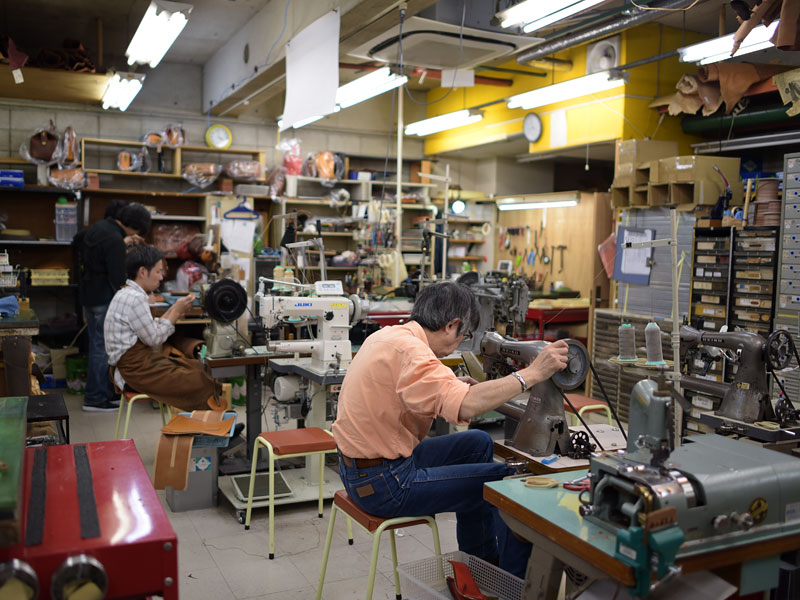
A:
x: 224, y: 300
x: 332, y: 313
x: 542, y: 428
x: 661, y: 501
x: 746, y: 400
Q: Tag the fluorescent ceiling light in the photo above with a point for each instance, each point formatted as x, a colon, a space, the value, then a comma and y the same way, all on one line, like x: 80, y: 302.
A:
x: 558, y: 200
x: 161, y: 25
x: 443, y: 122
x: 566, y: 90
x: 720, y: 48
x: 304, y: 122
x: 535, y: 14
x: 121, y: 90
x: 368, y: 86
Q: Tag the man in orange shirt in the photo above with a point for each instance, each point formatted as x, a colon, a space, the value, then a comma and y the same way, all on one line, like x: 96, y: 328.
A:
x: 393, y: 390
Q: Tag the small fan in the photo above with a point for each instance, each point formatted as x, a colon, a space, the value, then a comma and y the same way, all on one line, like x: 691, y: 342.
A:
x: 602, y: 55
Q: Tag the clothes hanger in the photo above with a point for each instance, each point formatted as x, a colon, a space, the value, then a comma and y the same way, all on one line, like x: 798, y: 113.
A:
x: 241, y: 212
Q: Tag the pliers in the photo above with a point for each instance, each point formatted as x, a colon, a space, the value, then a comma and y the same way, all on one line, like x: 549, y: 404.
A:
x: 531, y: 260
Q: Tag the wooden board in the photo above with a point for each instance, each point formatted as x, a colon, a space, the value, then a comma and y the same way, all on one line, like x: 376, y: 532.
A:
x: 55, y: 85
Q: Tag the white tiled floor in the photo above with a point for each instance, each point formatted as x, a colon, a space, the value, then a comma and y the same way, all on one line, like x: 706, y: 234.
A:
x: 218, y: 560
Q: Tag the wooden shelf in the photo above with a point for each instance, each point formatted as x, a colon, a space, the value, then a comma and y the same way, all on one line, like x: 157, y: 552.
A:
x: 326, y: 234
x: 56, y: 85
x: 178, y: 218
x: 306, y: 202
x: 320, y: 180
x: 195, y: 148
x: 467, y: 258
x: 9, y: 242
x: 315, y: 268
x: 13, y: 160
x: 463, y: 241
x: 134, y: 173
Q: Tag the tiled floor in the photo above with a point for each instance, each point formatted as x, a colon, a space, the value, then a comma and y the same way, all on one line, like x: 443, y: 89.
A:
x: 218, y: 560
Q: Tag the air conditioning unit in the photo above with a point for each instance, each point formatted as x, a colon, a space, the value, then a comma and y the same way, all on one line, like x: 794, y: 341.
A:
x: 437, y: 45
x: 603, y: 55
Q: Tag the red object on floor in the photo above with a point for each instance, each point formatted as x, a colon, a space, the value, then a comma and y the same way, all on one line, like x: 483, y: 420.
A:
x: 556, y: 315
x: 133, y: 538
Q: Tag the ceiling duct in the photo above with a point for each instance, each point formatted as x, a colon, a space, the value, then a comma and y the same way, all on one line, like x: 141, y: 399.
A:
x: 636, y: 16
x: 438, y: 45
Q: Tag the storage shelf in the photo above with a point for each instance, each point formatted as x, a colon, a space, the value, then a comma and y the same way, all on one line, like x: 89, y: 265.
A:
x: 320, y: 180
x: 134, y: 173
x: 37, y: 189
x: 7, y: 242
x: 178, y: 218
x: 463, y: 241
x: 316, y: 268
x: 466, y: 258
x: 307, y: 202
x: 326, y: 234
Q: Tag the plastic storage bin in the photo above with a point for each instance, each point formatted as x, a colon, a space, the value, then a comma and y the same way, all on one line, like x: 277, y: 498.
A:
x: 425, y: 579
x: 66, y: 221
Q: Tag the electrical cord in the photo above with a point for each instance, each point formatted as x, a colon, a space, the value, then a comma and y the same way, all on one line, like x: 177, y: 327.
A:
x: 580, y: 418
x: 605, y: 395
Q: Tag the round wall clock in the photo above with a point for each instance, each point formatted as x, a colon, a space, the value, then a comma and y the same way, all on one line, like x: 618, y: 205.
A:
x: 218, y: 136
x: 532, y: 127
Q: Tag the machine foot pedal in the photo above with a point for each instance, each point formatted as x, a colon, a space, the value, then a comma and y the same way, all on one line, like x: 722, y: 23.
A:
x: 271, y: 556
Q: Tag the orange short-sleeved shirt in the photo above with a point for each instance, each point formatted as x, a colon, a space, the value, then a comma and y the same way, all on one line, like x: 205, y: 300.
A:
x: 393, y: 390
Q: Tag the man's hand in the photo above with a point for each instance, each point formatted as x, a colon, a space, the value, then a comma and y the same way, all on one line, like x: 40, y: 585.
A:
x: 184, y: 304
x: 467, y: 379
x: 550, y: 361
x: 134, y: 240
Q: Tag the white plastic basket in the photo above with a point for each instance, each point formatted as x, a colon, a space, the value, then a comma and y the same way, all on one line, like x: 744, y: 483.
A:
x: 425, y: 579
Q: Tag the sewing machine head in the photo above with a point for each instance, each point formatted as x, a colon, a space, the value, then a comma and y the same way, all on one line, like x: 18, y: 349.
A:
x: 332, y: 315
x: 224, y: 301
x: 543, y: 428
x: 747, y: 398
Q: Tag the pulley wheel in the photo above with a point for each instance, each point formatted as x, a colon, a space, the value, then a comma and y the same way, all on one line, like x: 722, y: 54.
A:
x: 577, y: 367
x: 780, y: 349
x: 225, y: 300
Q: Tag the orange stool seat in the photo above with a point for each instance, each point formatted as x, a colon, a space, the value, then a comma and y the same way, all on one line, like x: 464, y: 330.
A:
x: 367, y: 521
x: 296, y: 441
x: 585, y: 404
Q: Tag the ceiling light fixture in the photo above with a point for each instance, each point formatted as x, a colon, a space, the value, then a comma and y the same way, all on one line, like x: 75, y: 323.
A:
x: 566, y: 90
x: 444, y: 122
x: 535, y: 14
x: 557, y: 200
x: 368, y: 86
x: 720, y: 48
x: 121, y: 90
x: 161, y: 25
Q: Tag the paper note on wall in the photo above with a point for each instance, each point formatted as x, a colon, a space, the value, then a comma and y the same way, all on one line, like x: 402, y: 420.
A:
x: 237, y: 234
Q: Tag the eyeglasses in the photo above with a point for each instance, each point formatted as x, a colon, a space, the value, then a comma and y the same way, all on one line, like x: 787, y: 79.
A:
x: 466, y: 336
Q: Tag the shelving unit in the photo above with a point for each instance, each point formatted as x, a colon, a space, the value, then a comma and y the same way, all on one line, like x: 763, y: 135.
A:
x: 754, y: 272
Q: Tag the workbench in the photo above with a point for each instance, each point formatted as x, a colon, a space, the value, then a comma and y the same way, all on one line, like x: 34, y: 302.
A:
x: 25, y: 323
x: 556, y: 315
x: 550, y: 520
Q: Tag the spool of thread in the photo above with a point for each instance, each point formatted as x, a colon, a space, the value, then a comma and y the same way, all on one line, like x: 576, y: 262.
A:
x: 288, y: 275
x: 652, y: 342
x: 278, y: 273
x: 627, y: 342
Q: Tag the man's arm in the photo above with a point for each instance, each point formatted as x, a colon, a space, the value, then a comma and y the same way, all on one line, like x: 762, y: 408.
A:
x: 178, y: 310
x: 488, y: 395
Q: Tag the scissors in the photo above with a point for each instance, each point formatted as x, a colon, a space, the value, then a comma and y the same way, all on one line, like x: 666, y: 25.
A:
x: 578, y: 485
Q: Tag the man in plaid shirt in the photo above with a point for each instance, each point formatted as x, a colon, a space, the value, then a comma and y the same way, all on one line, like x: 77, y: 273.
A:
x: 133, y: 338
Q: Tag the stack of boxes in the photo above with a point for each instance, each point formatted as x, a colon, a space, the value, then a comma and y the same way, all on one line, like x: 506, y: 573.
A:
x: 649, y: 173
x: 12, y: 178
x: 66, y: 221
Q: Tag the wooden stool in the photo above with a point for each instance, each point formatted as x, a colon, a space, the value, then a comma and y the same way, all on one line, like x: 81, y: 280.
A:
x: 584, y: 404
x: 374, y: 526
x: 127, y: 398
x: 288, y: 443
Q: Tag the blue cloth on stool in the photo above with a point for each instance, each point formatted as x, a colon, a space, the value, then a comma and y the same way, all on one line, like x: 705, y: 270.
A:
x: 9, y: 306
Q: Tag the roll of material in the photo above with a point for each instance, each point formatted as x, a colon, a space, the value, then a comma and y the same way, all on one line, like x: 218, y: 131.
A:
x: 286, y: 388
x: 189, y: 347
x: 627, y: 342
x: 486, y: 229
x: 652, y: 340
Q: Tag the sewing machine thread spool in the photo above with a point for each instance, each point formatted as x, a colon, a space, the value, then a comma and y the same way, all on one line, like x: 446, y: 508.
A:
x: 278, y: 273
x: 652, y: 341
x: 627, y: 342
x: 288, y: 275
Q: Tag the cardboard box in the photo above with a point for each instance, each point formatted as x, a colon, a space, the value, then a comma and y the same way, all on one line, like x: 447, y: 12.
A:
x: 641, y: 151
x: 423, y: 166
x: 624, y: 175
x: 677, y: 169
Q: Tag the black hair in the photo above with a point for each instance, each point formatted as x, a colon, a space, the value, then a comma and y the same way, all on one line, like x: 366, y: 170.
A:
x: 114, y: 208
x: 135, y: 216
x: 141, y: 256
x: 439, y: 303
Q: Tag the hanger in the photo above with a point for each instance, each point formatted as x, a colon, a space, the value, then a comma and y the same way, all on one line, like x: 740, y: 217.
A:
x: 241, y: 212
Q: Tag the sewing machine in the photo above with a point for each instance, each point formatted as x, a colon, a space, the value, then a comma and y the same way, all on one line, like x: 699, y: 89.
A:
x: 746, y: 400
x: 224, y: 300
x: 501, y: 300
x: 542, y: 428
x: 333, y: 315
x: 663, y: 501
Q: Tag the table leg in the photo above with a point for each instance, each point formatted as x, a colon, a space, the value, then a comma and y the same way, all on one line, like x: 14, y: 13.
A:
x: 543, y: 576
x: 253, y: 426
x: 541, y: 328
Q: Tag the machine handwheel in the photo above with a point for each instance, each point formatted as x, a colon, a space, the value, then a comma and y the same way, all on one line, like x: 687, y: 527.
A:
x: 780, y: 349
x: 581, y: 447
x: 785, y: 412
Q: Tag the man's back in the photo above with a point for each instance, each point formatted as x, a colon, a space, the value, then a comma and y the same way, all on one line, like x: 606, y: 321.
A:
x: 101, y: 252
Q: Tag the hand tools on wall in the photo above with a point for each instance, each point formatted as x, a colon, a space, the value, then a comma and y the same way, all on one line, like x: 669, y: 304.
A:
x: 561, y: 247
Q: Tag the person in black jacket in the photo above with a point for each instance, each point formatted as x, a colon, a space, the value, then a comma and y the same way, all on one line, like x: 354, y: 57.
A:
x: 101, y: 259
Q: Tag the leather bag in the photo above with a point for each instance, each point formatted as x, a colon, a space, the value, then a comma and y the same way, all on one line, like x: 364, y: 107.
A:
x: 43, y: 143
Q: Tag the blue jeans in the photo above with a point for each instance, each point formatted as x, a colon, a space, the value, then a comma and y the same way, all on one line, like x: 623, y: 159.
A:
x: 98, y: 385
x: 443, y: 474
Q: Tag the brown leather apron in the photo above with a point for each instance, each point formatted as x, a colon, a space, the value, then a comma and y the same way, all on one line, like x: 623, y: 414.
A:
x: 179, y: 381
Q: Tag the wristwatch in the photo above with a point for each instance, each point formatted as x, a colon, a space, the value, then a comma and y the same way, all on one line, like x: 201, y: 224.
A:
x: 521, y: 380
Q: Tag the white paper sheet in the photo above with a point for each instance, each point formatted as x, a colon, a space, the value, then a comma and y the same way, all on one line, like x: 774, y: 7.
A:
x: 635, y: 260
x: 237, y: 234
x: 558, y: 128
x: 312, y: 71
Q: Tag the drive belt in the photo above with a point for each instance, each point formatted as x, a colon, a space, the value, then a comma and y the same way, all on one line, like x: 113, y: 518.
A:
x: 87, y: 505
x: 34, y: 526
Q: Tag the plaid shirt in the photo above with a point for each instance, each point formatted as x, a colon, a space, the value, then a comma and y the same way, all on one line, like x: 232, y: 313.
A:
x: 128, y: 319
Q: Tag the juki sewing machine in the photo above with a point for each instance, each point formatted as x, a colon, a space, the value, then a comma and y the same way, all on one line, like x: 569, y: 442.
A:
x: 662, y: 501
x: 225, y: 300
x: 500, y: 301
x: 542, y: 428
x: 746, y: 401
x: 332, y: 313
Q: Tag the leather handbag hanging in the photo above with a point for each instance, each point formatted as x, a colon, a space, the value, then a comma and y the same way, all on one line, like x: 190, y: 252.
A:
x: 71, y: 150
x: 44, y: 143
